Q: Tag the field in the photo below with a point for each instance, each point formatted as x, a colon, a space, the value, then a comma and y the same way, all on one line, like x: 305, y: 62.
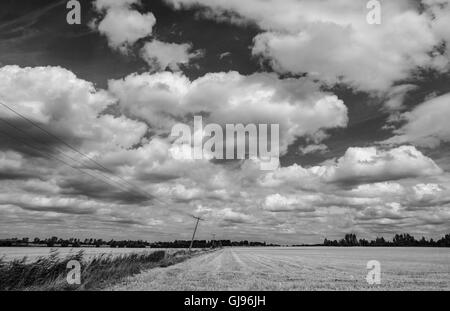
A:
x: 307, y: 268
x: 94, y: 272
x: 32, y: 253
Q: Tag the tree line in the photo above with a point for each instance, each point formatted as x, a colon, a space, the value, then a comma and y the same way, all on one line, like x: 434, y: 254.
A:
x: 350, y: 239
x: 402, y: 240
x: 91, y: 242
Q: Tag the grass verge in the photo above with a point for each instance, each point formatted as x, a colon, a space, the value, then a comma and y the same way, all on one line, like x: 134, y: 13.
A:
x: 50, y: 273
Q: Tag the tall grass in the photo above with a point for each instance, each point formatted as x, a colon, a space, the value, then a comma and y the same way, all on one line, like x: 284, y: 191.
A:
x: 50, y: 273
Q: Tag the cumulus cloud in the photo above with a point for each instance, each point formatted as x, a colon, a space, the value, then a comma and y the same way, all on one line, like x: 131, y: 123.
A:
x: 295, y: 175
x: 280, y: 203
x: 331, y: 40
x: 374, y: 165
x: 377, y: 190
x: 426, y: 125
x: 358, y: 166
x: 121, y: 24
x: 422, y: 191
x: 297, y: 105
x: 54, y: 178
x: 64, y: 104
x: 162, y: 55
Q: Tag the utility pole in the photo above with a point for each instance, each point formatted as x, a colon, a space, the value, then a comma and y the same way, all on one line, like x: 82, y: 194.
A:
x: 193, y: 236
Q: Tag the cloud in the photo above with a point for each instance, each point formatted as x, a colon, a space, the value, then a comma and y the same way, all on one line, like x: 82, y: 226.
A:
x: 162, y: 55
x: 225, y: 217
x: 332, y: 41
x: 10, y: 161
x: 294, y: 175
x: 13, y: 165
x: 370, y: 164
x: 379, y: 190
x: 423, y: 191
x: 357, y: 166
x: 320, y: 148
x: 396, y: 96
x: 64, y: 104
x: 122, y: 25
x: 426, y: 125
x: 231, y: 217
x: 440, y: 12
x: 297, y: 105
x: 423, y: 196
x: 279, y: 203
x: 389, y: 211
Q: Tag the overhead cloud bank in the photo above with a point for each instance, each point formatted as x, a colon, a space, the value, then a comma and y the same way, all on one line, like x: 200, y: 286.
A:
x: 399, y: 184
x: 371, y: 190
x: 332, y: 41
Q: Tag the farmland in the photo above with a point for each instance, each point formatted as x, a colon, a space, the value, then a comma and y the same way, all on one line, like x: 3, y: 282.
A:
x: 94, y: 272
x: 302, y: 268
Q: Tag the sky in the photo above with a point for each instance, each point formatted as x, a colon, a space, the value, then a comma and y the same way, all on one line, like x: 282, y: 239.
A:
x: 86, y: 151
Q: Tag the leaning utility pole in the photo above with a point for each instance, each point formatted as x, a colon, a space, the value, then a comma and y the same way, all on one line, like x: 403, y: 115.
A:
x: 213, y: 242
x: 193, y: 236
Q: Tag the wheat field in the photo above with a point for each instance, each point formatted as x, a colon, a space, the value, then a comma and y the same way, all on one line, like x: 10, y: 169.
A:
x: 307, y: 268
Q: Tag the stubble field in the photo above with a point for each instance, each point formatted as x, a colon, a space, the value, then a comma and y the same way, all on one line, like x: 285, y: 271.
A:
x: 307, y: 268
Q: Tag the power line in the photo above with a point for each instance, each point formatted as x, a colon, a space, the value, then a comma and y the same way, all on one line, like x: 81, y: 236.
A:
x: 54, y: 157
x: 141, y: 191
x: 39, y: 150
x: 76, y: 150
x: 73, y: 159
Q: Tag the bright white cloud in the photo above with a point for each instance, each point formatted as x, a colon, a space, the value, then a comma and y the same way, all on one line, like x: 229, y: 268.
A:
x: 358, y: 166
x: 121, y: 24
x: 66, y: 105
x: 164, y: 55
x: 378, y: 190
x: 372, y: 165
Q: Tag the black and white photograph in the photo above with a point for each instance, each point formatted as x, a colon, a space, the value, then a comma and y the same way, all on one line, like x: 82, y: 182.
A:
x: 240, y: 146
